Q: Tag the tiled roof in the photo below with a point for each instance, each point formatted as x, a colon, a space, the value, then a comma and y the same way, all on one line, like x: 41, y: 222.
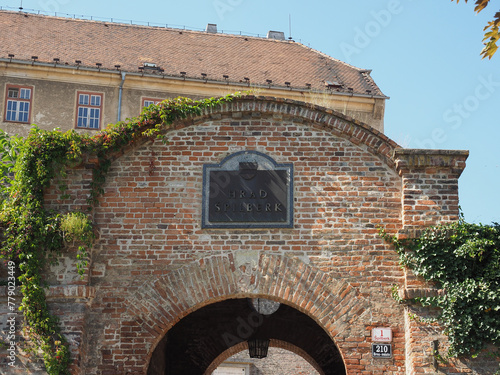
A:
x: 173, y: 50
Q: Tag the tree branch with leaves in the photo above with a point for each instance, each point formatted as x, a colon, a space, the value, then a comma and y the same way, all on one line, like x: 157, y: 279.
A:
x: 492, y: 32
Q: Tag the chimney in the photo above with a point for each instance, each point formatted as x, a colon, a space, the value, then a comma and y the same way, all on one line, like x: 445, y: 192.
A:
x: 211, y: 28
x: 279, y: 35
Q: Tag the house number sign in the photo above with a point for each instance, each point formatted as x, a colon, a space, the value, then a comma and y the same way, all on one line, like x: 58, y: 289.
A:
x: 247, y: 190
x: 381, y: 334
x: 381, y: 350
x: 382, y: 338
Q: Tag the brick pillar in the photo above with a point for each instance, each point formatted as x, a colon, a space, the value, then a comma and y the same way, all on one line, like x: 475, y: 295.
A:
x: 429, y: 197
x: 429, y: 190
x: 430, y: 186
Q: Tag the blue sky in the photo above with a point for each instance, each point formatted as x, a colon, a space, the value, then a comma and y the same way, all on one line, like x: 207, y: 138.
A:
x: 424, y: 55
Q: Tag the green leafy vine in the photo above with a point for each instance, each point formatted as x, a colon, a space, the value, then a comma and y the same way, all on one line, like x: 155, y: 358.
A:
x: 464, y: 260
x: 32, y: 235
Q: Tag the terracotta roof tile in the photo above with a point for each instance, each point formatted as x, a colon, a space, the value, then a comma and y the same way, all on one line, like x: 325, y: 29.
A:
x: 175, y: 51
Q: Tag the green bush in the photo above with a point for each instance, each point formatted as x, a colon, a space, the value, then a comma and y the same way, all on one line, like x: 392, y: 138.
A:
x: 464, y: 260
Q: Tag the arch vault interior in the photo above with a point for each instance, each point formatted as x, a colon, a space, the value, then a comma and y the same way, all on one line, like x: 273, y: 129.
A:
x: 198, y: 339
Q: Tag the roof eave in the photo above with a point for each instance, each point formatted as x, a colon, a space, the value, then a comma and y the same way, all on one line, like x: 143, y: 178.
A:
x: 243, y: 85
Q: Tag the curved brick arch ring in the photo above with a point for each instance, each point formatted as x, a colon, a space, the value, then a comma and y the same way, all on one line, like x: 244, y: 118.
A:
x: 156, y: 307
x: 356, y: 131
x: 252, y: 106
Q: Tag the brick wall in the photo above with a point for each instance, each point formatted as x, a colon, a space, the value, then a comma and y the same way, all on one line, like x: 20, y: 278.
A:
x: 153, y: 264
x: 429, y: 197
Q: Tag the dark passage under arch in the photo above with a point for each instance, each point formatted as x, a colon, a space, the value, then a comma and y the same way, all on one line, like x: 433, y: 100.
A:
x: 199, y: 338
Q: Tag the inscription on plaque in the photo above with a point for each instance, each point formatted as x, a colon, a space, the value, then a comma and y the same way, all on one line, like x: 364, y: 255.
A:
x: 381, y: 351
x: 247, y: 190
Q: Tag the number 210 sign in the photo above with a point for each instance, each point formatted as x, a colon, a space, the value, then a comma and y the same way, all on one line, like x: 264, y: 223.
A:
x: 381, y: 351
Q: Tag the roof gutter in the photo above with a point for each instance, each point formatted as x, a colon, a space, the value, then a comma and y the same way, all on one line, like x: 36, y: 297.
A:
x: 180, y: 78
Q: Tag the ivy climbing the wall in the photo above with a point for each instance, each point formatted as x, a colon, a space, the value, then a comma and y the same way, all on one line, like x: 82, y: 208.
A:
x: 31, y: 235
x: 464, y: 260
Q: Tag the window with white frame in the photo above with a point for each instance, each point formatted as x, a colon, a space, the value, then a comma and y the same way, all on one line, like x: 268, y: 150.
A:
x: 88, y: 110
x: 18, y: 104
x: 146, y: 102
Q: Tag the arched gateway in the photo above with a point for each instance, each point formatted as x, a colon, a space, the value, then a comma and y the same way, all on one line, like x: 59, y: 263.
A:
x: 158, y: 270
x: 337, y: 307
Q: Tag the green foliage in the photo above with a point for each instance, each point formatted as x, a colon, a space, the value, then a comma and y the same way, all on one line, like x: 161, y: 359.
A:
x: 492, y: 32
x: 8, y: 156
x: 33, y: 235
x: 464, y: 259
x: 76, y: 226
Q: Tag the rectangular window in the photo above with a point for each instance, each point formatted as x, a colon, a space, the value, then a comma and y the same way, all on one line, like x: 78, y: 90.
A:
x: 89, y: 110
x: 146, y: 102
x: 18, y: 104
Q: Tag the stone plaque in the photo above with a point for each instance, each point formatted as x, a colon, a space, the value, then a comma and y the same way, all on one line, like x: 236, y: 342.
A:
x: 247, y: 190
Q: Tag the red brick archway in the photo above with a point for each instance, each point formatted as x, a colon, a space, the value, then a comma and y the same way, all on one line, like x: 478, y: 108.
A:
x: 154, y: 264
x: 328, y: 299
x: 335, y: 305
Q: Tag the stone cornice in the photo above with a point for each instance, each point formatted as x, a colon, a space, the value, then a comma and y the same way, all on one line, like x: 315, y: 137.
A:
x: 420, y: 159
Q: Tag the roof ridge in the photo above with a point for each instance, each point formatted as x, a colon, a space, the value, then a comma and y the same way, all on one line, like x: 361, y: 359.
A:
x: 133, y: 25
